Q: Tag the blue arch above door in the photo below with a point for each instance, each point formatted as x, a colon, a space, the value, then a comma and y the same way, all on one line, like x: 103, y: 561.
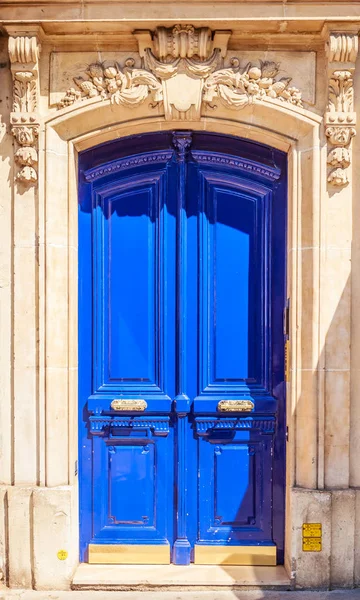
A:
x: 163, y: 220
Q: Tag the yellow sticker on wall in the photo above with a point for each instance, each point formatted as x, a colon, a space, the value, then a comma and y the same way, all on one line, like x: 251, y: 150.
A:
x: 311, y: 537
x: 312, y: 530
x: 312, y: 545
x: 62, y: 555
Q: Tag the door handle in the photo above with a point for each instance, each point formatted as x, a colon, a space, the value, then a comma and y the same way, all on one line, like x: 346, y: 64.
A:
x: 235, y: 406
x: 122, y: 404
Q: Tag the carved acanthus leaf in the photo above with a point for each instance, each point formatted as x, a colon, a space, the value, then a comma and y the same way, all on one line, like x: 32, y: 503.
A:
x: 24, y: 92
x: 127, y: 86
x: 341, y: 92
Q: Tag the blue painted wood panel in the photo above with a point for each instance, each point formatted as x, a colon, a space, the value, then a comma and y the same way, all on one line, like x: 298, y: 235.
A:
x: 181, y: 298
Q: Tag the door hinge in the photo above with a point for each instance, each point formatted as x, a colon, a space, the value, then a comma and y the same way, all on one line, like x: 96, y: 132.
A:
x: 76, y: 468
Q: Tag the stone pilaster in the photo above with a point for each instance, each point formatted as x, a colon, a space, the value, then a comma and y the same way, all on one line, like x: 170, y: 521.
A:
x: 340, y: 129
x: 24, y: 48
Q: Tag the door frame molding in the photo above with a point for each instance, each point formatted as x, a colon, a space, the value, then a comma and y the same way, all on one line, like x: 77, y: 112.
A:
x: 295, y: 131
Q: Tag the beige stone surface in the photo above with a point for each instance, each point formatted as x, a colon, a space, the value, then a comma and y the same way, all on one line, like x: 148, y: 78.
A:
x: 3, y: 536
x: 337, y: 429
x: 53, y: 532
x: 342, y: 537
x: 357, y: 539
x: 19, y: 536
x: 310, y: 569
x: 177, y: 577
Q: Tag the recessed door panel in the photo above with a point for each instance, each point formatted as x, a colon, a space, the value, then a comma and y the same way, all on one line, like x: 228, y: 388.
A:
x: 181, y: 379
x: 234, y: 509
x: 132, y: 483
x: 132, y: 331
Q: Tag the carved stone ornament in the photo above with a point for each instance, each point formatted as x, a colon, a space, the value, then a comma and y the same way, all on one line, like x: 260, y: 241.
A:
x: 183, y: 69
x: 340, y: 118
x: 24, y: 56
x: 26, y: 157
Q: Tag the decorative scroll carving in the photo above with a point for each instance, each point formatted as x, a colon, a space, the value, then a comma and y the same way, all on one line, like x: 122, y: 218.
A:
x: 183, y: 41
x: 24, y: 55
x: 127, y: 86
x: 237, y: 88
x: 192, y: 67
x: 343, y: 47
x: 183, y: 68
x: 340, y: 118
x: 23, y: 49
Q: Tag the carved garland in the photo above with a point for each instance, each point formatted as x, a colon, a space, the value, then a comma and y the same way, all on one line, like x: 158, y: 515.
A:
x: 233, y: 86
x: 24, y: 56
x: 340, y: 118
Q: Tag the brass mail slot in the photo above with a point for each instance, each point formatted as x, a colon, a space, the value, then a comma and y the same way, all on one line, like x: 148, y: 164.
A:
x: 137, y: 405
x: 235, y: 406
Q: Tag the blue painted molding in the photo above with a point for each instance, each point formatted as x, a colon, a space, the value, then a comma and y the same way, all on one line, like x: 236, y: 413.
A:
x: 123, y: 164
x: 204, y: 425
x: 99, y: 425
x: 233, y: 162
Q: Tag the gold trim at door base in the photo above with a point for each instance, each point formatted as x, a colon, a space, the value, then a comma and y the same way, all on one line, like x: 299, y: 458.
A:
x: 128, y: 554
x: 235, y: 555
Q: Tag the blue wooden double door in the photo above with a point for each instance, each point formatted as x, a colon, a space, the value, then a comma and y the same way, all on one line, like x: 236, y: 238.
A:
x: 181, y: 350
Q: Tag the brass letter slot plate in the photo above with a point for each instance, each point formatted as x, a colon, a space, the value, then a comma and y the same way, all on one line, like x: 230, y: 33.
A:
x: 136, y: 405
x: 235, y: 406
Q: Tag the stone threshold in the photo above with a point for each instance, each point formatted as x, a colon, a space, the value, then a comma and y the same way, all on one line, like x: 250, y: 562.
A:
x: 173, y: 577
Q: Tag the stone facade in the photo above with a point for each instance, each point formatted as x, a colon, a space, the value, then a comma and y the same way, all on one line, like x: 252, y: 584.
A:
x: 76, y: 75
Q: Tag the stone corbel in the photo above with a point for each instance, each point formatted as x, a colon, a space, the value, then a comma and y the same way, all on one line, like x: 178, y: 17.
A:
x: 340, y: 117
x: 24, y: 59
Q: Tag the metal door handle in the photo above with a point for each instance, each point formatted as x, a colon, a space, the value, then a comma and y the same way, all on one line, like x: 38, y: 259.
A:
x: 235, y: 406
x: 136, y: 405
